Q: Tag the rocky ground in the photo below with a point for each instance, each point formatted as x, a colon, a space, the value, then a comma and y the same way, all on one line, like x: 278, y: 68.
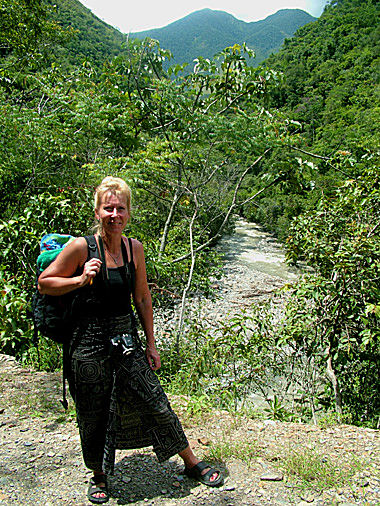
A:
x: 237, y: 289
x: 40, y: 458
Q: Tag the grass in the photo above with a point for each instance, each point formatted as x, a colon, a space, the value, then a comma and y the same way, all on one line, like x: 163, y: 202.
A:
x: 228, y: 449
x: 318, y: 471
x: 307, y: 468
x: 192, y: 409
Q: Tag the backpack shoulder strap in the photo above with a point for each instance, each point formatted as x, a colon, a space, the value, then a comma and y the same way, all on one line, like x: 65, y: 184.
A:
x: 132, y: 264
x: 92, y: 246
x: 129, y: 268
x: 97, y: 252
x: 124, y: 251
x: 130, y: 248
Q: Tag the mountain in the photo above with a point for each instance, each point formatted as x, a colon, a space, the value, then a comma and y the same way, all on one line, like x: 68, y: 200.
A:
x: 206, y: 32
x: 202, y: 33
x: 91, y: 38
x: 331, y: 76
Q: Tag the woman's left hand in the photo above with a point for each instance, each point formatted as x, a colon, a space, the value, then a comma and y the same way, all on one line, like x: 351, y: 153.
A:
x: 153, y: 357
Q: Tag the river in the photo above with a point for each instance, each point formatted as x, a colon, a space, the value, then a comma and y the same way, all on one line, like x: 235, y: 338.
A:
x: 258, y: 251
x: 253, y: 267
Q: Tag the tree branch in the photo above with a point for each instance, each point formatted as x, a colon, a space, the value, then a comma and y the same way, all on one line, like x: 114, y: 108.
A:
x: 229, y: 211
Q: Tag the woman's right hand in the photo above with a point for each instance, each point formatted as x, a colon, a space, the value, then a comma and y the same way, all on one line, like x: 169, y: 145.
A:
x: 90, y: 270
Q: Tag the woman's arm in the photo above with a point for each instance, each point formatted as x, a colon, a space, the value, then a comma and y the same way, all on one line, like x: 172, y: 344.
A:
x: 143, y: 303
x: 58, y: 278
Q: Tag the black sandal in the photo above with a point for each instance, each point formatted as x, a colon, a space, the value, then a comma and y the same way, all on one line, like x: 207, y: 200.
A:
x: 196, y: 473
x: 95, y: 489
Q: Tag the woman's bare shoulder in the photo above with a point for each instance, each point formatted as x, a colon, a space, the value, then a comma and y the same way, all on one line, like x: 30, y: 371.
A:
x: 137, y: 250
x: 78, y: 249
x: 135, y: 243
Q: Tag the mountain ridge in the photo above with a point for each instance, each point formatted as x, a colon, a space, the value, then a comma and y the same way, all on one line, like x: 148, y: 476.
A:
x: 206, y: 32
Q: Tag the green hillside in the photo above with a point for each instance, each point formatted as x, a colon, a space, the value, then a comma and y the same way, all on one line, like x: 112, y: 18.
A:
x: 202, y: 33
x: 330, y: 88
x: 206, y: 32
x: 332, y: 72
x: 91, y: 38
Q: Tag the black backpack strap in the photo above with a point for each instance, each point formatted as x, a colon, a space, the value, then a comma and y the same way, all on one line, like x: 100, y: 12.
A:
x: 95, y: 252
x: 92, y: 246
x: 128, y: 265
x: 103, y: 259
x: 132, y: 270
x: 130, y: 248
x: 64, y: 402
x: 125, y: 256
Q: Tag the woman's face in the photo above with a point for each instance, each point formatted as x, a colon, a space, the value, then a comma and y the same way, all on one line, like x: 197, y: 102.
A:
x: 112, y: 213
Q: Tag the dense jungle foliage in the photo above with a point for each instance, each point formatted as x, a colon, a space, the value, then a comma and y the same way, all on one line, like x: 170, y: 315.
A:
x: 291, y: 144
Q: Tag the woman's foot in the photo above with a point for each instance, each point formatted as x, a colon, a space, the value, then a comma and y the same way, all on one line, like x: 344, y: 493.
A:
x: 205, y: 474
x: 199, y: 470
x: 97, y: 491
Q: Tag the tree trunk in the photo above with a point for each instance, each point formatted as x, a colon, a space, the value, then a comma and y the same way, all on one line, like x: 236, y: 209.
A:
x: 334, y: 381
x: 167, y: 224
x: 190, y: 277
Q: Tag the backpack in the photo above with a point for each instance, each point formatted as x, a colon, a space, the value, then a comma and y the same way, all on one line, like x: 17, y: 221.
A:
x: 52, y: 314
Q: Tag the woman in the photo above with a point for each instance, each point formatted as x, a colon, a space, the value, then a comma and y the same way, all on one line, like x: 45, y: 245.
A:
x: 119, y: 400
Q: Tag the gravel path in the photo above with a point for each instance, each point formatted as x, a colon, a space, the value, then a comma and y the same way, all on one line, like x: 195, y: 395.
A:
x: 40, y: 458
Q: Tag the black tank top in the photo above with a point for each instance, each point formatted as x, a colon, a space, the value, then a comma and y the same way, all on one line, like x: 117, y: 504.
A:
x: 119, y: 301
x: 111, y: 297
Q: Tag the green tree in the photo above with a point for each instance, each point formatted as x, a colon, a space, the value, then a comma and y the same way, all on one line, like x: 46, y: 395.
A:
x: 335, y: 312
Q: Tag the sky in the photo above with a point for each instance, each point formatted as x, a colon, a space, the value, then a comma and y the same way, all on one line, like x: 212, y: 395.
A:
x: 135, y: 16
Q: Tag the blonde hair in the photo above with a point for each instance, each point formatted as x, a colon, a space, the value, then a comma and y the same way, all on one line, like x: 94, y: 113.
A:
x: 115, y: 186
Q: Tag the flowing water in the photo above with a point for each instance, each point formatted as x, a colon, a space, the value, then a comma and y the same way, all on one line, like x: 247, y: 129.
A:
x: 252, y: 248
x: 254, y: 267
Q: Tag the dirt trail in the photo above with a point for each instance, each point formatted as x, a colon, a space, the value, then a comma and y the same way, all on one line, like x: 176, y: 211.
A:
x: 40, y: 458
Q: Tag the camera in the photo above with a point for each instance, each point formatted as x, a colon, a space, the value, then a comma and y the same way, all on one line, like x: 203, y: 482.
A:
x: 126, y: 342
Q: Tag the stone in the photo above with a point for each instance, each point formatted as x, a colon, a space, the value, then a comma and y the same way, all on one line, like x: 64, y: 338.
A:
x: 307, y: 498
x: 272, y: 476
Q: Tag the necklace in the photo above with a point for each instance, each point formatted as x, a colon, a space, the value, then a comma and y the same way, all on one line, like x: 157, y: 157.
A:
x: 114, y: 258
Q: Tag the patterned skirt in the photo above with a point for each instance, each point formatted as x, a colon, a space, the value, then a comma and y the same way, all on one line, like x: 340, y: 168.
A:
x: 119, y: 401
